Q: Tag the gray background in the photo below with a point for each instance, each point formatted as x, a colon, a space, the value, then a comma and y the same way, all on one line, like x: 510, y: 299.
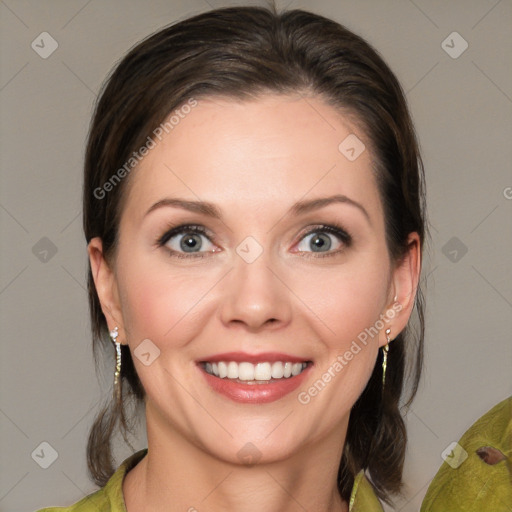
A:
x: 462, y: 110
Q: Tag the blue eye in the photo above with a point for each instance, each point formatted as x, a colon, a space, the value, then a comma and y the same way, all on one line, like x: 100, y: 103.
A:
x: 320, y: 240
x: 189, y: 244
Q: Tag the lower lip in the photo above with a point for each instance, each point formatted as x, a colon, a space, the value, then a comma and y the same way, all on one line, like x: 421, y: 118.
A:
x: 254, y: 393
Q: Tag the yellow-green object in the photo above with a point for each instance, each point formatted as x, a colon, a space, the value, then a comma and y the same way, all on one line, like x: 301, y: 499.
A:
x: 363, y: 498
x: 482, y: 482
x: 110, y: 498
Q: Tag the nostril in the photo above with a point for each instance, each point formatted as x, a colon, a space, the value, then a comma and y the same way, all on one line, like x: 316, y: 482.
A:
x: 490, y: 455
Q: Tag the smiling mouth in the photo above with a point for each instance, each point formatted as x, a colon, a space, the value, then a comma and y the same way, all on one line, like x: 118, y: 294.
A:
x: 259, y: 373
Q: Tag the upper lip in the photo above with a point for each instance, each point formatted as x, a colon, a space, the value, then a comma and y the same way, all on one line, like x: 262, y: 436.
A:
x: 243, y: 357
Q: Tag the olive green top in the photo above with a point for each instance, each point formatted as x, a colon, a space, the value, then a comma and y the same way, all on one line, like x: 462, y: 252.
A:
x: 476, y: 476
x: 110, y: 497
x: 477, y: 472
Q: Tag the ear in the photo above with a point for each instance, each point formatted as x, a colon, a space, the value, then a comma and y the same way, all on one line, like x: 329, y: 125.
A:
x: 106, y: 287
x: 403, y: 288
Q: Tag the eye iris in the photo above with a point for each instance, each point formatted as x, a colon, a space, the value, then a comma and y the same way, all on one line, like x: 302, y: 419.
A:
x: 188, y: 243
x: 320, y: 241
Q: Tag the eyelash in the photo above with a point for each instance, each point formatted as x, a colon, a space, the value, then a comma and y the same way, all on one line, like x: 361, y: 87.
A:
x: 333, y: 229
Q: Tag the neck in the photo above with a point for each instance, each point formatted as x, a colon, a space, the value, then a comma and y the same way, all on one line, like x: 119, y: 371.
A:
x: 178, y: 475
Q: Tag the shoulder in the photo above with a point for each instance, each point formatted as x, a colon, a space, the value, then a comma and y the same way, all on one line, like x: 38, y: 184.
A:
x: 477, y: 472
x: 96, y: 502
x: 110, y: 497
x: 363, y: 497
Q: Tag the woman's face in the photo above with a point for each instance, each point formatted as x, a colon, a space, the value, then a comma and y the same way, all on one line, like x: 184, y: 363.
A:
x: 263, y: 282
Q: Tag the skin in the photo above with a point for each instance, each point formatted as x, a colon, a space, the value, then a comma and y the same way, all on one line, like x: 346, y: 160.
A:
x: 253, y: 160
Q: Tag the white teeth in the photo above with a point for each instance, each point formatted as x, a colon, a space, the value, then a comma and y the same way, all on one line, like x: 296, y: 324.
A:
x: 223, y: 369
x: 296, y: 368
x: 254, y: 372
x: 277, y: 370
x: 232, y: 370
x: 245, y: 371
x: 263, y: 371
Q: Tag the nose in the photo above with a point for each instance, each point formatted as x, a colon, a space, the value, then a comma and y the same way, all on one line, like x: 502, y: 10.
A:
x: 255, y: 297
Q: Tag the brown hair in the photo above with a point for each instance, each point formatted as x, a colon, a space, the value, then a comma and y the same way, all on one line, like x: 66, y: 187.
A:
x: 242, y: 52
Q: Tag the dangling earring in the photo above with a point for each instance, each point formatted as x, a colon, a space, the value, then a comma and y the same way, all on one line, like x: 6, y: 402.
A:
x: 114, y: 333
x: 385, y: 349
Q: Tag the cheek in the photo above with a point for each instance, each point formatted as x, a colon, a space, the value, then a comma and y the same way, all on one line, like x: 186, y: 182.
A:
x: 351, y: 306
x: 348, y: 301
x: 159, y: 303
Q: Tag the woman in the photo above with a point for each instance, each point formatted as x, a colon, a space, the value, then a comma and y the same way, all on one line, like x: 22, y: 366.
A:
x: 254, y: 213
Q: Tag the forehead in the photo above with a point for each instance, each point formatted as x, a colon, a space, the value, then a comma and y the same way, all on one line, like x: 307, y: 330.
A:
x: 253, y: 155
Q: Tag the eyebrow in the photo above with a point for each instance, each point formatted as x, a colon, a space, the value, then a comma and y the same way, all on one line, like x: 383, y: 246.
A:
x: 300, y: 207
